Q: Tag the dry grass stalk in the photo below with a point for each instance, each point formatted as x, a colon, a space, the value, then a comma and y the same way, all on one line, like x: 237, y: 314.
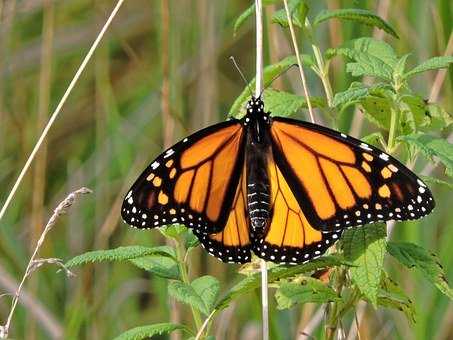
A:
x: 299, y: 62
x: 34, y: 262
x: 57, y: 111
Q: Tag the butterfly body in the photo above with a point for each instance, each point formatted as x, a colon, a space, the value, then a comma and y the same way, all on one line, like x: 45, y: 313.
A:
x: 258, y: 146
x: 282, y: 188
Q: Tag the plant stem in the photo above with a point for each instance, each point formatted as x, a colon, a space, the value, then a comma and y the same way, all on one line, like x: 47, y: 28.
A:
x: 180, y: 255
x: 392, y: 131
x: 259, y: 47
x: 61, y: 209
x: 59, y: 107
x: 258, y: 89
x: 334, y: 312
x: 322, y: 65
x: 299, y: 62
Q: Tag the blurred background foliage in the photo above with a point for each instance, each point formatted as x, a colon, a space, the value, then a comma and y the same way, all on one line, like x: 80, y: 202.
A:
x: 161, y: 72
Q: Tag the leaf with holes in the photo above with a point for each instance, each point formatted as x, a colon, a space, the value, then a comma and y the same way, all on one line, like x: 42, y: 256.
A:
x: 365, y: 248
x: 414, y: 256
x: 357, y: 15
x: 392, y: 296
x: 377, y: 110
x: 422, y: 115
x: 147, y: 332
x: 375, y: 138
x: 431, y: 147
x: 308, y: 290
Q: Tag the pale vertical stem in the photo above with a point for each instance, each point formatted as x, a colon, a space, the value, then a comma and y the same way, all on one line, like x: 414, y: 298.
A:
x: 264, y: 299
x: 299, y: 62
x: 259, y: 47
x: 258, y: 89
x: 57, y: 111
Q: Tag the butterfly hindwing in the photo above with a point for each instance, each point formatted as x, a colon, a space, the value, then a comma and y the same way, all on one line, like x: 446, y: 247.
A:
x: 194, y: 182
x: 289, y: 237
x: 232, y: 244
x: 341, y: 182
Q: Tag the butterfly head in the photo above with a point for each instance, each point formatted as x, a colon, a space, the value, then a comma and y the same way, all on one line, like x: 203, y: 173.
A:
x: 255, y: 110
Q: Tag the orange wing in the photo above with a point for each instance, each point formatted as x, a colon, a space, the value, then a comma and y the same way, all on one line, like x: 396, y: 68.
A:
x: 289, y: 238
x: 193, y: 183
x: 340, y: 181
x: 232, y: 244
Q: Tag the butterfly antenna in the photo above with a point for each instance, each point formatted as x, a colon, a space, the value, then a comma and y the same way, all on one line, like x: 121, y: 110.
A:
x: 242, y: 75
x: 277, y: 76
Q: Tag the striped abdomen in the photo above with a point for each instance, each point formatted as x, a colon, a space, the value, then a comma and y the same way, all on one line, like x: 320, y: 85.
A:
x: 258, y: 202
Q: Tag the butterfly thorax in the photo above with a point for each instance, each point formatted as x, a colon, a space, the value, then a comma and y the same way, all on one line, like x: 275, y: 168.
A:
x: 257, y: 178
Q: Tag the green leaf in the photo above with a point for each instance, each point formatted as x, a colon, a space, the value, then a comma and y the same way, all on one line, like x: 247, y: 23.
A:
x: 174, y: 230
x: 309, y: 290
x: 207, y: 287
x: 243, y: 17
x: 117, y: 254
x: 423, y: 116
x: 237, y: 110
x: 253, y: 282
x: 400, y: 66
x: 298, y: 10
x: 431, y: 147
x: 370, y: 46
x: 377, y: 110
x: 375, y: 139
x: 372, y: 58
x: 430, y: 64
x: 437, y: 118
x: 248, y: 13
x: 190, y: 240
x: 185, y: 293
x: 200, y: 294
x: 146, y: 332
x: 365, y: 248
x: 284, y: 104
x: 392, y: 296
x: 433, y: 180
x: 368, y: 65
x: 162, y: 266
x: 412, y: 255
x: 354, y: 93
x: 358, y: 15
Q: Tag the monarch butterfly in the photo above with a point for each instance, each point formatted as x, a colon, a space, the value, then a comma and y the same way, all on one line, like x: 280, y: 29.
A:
x: 282, y: 188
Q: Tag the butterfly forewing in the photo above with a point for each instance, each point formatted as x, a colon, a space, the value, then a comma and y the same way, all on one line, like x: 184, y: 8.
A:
x: 194, y: 182
x: 340, y: 181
